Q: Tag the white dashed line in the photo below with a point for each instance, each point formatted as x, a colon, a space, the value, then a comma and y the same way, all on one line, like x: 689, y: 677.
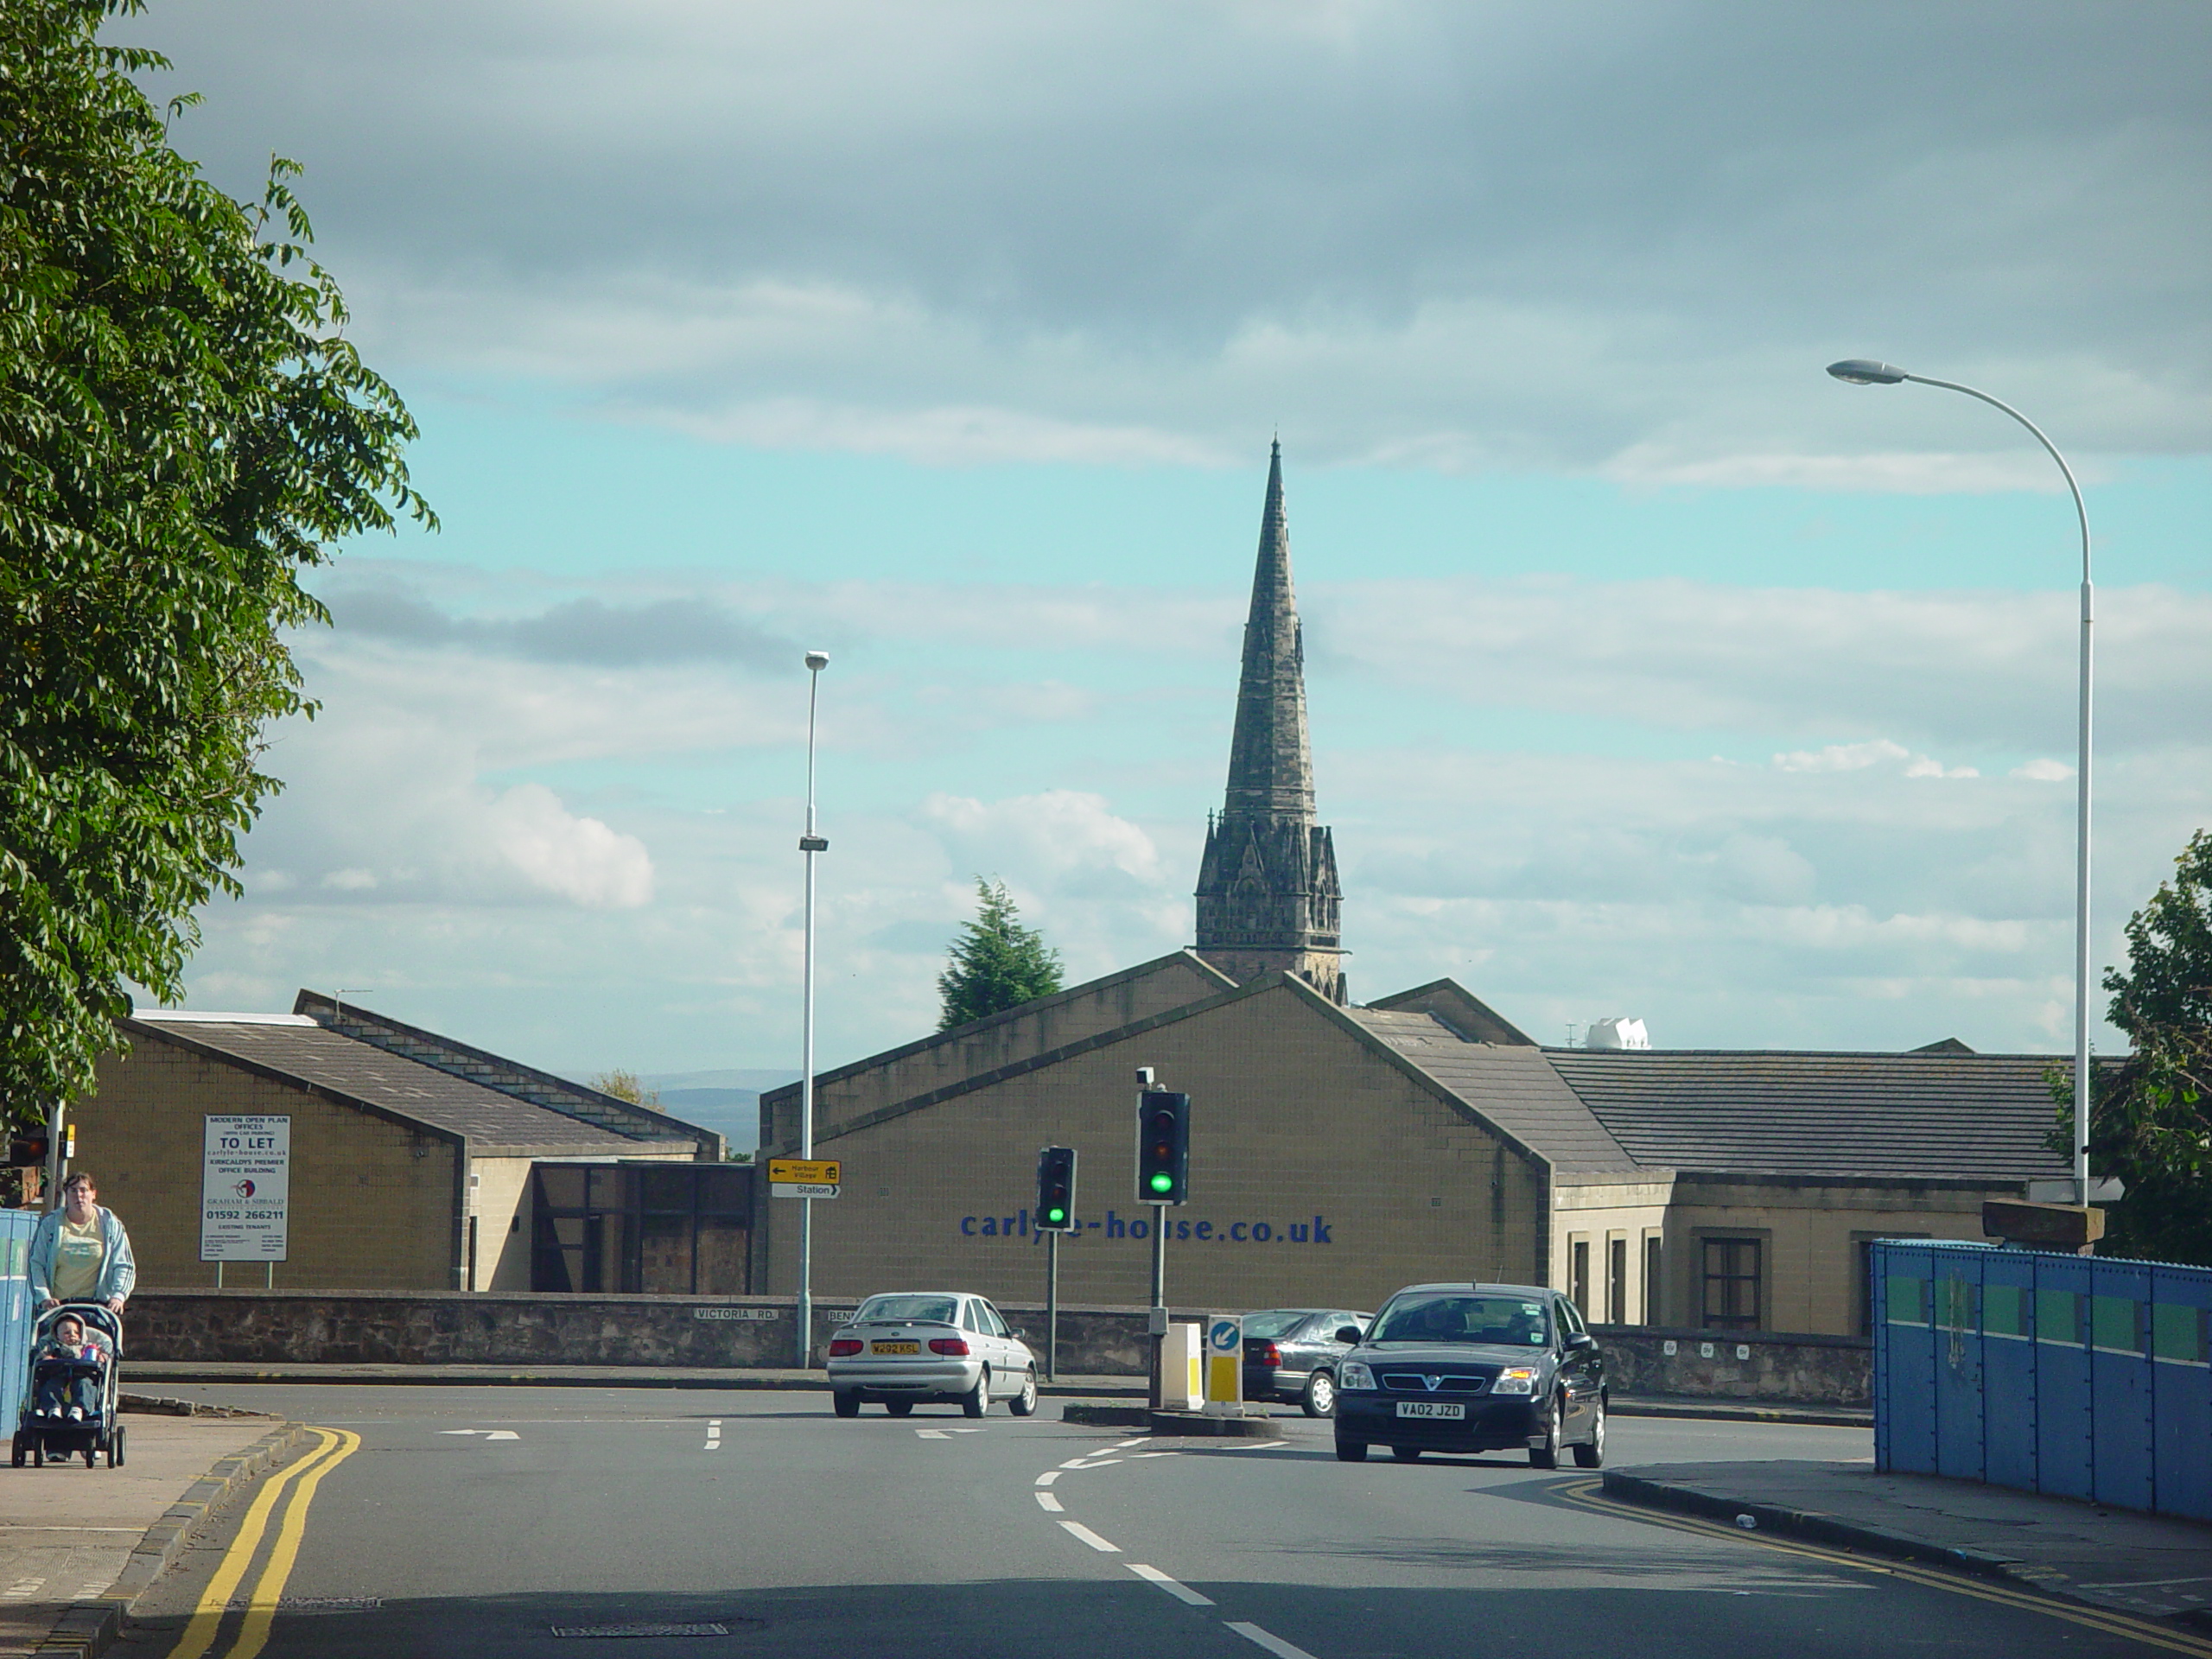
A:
x: 1156, y: 1455
x: 1180, y: 1591
x: 1101, y: 1462
x: 1048, y: 1477
x: 1082, y: 1462
x: 26, y: 1587
x: 1047, y: 1503
x: 714, y: 1434
x: 1077, y: 1529
x: 1274, y: 1644
x: 932, y: 1434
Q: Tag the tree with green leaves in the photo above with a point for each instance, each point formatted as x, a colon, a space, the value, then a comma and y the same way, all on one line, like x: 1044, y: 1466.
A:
x: 184, y: 429
x: 2150, y: 1117
x: 997, y: 964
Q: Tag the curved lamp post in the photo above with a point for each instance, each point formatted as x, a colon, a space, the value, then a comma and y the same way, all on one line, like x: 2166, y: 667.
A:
x: 1863, y: 371
x: 809, y: 844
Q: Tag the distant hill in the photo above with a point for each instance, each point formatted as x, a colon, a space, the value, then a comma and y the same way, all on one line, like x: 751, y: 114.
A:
x: 727, y: 1102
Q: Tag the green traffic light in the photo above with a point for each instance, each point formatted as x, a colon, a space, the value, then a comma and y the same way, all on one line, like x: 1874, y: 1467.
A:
x: 1056, y: 1214
x: 1163, y: 1182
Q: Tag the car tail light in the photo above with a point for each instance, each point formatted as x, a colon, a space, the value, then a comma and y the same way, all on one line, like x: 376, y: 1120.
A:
x: 844, y: 1347
x: 1268, y: 1354
x: 957, y: 1346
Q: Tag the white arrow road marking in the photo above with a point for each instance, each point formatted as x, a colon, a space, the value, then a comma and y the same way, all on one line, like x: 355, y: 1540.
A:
x: 488, y: 1433
x: 1180, y: 1591
x: 1274, y: 1644
x: 1076, y: 1528
x: 1047, y: 1503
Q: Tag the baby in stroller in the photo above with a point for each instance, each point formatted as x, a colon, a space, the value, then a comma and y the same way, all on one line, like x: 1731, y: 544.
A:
x: 69, y: 1371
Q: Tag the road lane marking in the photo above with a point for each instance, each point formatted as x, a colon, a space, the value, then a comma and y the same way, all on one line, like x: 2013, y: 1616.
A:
x: 253, y: 1632
x: 1047, y: 1503
x: 1156, y: 1455
x: 1077, y: 1529
x: 215, y: 1601
x: 1584, y: 1494
x: 1181, y: 1592
x: 1099, y: 1463
x: 1274, y: 1644
x: 488, y: 1433
x: 1048, y: 1477
x: 1077, y: 1463
x: 932, y: 1434
x: 714, y: 1434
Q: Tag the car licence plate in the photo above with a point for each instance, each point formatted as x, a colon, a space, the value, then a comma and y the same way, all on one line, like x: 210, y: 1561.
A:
x: 1430, y: 1409
x: 894, y: 1347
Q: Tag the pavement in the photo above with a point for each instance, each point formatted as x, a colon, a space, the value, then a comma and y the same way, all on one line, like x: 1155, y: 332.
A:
x: 2148, y: 1566
x: 77, y: 1545
x: 674, y: 1377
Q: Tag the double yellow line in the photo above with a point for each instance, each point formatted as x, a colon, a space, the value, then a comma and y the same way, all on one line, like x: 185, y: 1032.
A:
x: 333, y: 1446
x: 2139, y: 1629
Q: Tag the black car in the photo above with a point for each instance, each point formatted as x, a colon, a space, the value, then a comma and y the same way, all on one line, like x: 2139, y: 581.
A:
x: 1474, y: 1368
x: 1291, y: 1354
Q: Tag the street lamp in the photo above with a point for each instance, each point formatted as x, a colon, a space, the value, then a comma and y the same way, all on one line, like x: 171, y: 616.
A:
x: 809, y: 845
x: 1863, y: 371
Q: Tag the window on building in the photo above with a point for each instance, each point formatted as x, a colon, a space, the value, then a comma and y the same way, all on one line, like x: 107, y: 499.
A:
x: 1731, y: 1284
x: 1617, y: 1281
x: 1577, y: 1284
x: 1655, y: 1300
x: 672, y: 1229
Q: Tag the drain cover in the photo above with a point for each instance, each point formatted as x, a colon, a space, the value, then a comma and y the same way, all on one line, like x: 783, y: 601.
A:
x: 717, y: 1627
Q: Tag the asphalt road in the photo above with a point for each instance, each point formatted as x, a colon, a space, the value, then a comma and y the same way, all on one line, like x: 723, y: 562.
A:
x: 804, y: 1535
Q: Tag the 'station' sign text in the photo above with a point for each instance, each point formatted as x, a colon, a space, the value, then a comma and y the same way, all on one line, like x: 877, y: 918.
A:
x: 245, y: 1176
x: 804, y: 1178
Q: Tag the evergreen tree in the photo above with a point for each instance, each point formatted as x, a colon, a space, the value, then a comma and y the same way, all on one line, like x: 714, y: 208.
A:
x: 2150, y: 1119
x: 184, y: 428
x: 997, y: 964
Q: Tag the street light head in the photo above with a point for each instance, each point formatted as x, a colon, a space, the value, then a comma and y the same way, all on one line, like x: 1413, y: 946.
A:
x: 1865, y: 372
x: 817, y: 660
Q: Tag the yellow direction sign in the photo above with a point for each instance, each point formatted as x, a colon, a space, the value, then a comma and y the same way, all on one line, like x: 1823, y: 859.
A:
x: 804, y: 1178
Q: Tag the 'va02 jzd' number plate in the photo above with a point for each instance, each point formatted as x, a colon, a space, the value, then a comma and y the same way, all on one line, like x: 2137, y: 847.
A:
x: 1430, y: 1409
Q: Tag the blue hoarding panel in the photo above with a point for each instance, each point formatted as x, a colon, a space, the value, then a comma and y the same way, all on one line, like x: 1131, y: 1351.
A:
x: 1957, y: 1289
x: 2181, y: 1388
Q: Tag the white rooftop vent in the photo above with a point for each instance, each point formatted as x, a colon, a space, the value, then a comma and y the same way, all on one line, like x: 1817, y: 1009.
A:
x: 1618, y: 1033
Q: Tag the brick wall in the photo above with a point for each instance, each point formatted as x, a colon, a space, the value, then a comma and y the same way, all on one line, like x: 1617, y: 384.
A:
x: 372, y: 1202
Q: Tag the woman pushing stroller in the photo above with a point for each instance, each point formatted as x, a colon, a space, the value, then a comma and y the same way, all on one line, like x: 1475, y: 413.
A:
x: 80, y: 1252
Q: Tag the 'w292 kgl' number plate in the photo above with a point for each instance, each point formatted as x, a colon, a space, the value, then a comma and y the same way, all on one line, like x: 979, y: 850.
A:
x: 894, y: 1347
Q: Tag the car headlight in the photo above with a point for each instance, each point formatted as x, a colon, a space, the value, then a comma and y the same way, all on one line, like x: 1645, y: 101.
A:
x: 1353, y: 1374
x: 1516, y: 1379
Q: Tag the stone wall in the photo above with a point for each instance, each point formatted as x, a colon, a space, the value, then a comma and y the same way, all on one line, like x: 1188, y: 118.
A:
x: 432, y: 1328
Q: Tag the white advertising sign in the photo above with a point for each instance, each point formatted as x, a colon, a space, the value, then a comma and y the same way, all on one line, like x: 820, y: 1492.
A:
x: 245, y: 1177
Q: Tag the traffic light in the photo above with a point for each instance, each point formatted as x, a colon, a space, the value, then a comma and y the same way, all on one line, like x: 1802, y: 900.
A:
x: 1163, y: 1146
x: 1056, y: 1190
x: 28, y: 1150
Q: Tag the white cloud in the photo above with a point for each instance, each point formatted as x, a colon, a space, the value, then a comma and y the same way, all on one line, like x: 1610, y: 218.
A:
x: 1842, y: 757
x: 2044, y: 771
x: 580, y: 859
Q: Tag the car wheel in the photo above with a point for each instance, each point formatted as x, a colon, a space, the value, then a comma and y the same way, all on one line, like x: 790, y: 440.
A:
x: 1545, y: 1456
x: 977, y: 1401
x: 1592, y: 1455
x: 1352, y: 1451
x: 1024, y: 1402
x: 845, y: 1402
x: 1320, y: 1398
x: 1406, y: 1453
x: 900, y: 1408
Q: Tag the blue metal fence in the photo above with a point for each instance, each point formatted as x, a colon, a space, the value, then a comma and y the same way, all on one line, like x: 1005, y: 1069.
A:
x: 2073, y: 1375
x: 15, y: 1312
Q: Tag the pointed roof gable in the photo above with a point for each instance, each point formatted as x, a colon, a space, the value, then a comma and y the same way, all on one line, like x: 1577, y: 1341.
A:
x: 1455, y: 1006
x: 1270, y: 756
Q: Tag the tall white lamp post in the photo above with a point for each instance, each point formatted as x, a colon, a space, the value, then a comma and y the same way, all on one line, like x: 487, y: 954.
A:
x: 1863, y: 371
x: 809, y: 844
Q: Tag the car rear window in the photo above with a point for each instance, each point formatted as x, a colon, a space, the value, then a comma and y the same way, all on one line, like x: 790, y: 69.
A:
x: 938, y: 1310
x: 1276, y: 1322
x: 1514, y: 1321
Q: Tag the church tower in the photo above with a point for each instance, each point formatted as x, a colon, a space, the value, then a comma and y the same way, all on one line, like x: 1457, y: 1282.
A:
x: 1267, y: 892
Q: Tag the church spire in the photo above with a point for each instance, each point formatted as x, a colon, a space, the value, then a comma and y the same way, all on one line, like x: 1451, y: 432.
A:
x: 1267, y: 892
x: 1270, y: 759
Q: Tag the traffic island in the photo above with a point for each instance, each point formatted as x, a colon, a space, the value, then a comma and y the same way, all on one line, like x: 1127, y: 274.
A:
x: 1094, y: 1416
x: 1193, y: 1425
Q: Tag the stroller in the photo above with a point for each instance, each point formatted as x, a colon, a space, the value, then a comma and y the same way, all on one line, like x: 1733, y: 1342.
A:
x: 38, y: 1438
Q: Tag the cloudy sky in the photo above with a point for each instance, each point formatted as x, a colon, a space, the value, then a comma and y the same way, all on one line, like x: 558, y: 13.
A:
x: 1652, y: 671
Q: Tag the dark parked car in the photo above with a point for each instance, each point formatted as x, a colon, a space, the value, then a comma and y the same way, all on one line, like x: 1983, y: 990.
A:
x: 1474, y: 1368
x: 1291, y: 1354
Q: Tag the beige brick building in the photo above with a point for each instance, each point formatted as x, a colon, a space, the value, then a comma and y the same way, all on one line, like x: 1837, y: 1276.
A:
x: 416, y: 1163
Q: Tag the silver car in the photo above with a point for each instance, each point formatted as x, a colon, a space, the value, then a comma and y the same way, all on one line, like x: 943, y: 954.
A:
x: 931, y: 1345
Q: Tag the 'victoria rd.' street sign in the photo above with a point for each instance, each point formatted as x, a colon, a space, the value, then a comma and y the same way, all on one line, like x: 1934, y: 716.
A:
x: 804, y: 1178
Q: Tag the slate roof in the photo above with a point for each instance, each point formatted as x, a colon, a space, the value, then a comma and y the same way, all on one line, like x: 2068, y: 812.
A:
x: 1887, y: 1116
x: 295, y: 1048
x: 1514, y: 1087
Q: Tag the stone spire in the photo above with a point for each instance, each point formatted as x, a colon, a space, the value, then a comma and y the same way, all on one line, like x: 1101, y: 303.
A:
x: 1267, y: 892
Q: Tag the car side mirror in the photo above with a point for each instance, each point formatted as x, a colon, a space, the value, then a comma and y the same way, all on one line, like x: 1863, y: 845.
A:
x: 1348, y: 1333
x: 1580, y: 1339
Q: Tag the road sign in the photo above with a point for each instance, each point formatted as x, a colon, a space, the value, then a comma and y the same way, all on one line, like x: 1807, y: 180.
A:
x: 245, y: 1178
x: 805, y: 1178
x: 1225, y: 1363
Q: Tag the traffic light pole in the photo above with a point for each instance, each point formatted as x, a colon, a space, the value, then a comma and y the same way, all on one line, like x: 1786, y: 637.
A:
x: 1051, y: 1307
x: 1158, y: 1322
